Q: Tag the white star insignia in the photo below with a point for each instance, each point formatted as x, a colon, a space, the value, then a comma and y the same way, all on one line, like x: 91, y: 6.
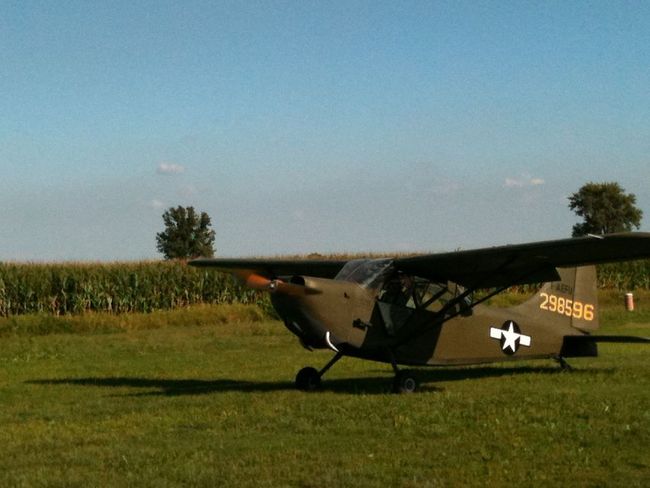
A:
x: 509, y: 337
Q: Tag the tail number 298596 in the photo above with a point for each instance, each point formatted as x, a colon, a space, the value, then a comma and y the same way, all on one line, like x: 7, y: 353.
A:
x: 564, y: 306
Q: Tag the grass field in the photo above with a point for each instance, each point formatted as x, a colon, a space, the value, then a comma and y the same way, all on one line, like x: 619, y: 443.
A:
x: 172, y: 399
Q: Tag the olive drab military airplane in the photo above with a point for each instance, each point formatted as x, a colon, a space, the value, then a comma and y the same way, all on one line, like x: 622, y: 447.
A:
x: 425, y: 310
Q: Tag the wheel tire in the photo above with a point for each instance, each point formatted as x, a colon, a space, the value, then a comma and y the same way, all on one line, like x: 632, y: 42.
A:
x: 308, y: 379
x: 405, y: 382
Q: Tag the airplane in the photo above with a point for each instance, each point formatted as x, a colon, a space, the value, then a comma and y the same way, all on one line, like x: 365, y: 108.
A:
x: 428, y: 310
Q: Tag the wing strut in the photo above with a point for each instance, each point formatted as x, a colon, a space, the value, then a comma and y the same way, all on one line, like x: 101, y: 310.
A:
x: 461, y: 306
x: 458, y: 305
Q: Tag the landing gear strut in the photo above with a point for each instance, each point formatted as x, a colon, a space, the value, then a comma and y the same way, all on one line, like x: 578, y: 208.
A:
x: 308, y: 379
x: 563, y: 364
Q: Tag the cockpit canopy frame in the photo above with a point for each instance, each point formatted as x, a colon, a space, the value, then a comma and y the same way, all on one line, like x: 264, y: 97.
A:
x: 367, y: 273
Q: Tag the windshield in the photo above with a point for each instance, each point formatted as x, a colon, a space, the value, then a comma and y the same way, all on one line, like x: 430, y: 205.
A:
x: 369, y: 273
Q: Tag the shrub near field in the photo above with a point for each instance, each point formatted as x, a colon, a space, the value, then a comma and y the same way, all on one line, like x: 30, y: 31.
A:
x: 114, y: 288
x: 62, y: 289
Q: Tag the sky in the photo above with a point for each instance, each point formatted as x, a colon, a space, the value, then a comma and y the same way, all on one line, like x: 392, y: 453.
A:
x: 300, y: 127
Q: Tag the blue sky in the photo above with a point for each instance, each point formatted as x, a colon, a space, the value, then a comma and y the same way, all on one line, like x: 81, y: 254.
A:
x: 314, y: 126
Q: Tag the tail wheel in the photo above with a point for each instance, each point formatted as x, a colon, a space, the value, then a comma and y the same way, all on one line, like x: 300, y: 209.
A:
x: 405, y: 382
x: 308, y: 379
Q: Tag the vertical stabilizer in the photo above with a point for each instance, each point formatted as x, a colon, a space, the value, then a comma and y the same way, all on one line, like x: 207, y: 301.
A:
x: 571, y: 301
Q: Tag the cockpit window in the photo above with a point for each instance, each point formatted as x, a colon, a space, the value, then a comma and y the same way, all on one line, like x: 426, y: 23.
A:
x: 369, y: 273
x: 413, y: 292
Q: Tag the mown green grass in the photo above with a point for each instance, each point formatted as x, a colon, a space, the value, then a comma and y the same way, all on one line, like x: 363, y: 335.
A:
x: 45, y: 324
x: 211, y: 403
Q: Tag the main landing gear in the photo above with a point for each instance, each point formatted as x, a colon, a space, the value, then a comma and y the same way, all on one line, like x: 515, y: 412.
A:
x: 404, y: 381
x: 308, y: 379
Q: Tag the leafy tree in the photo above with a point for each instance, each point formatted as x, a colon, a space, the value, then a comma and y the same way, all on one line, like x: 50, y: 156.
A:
x: 606, y: 208
x: 186, y: 235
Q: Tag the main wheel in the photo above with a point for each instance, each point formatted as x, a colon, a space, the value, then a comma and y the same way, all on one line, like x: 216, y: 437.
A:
x: 308, y: 379
x: 405, y: 382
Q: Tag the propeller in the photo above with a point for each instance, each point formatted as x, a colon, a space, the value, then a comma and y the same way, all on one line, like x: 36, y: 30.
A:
x: 262, y: 283
x: 254, y: 281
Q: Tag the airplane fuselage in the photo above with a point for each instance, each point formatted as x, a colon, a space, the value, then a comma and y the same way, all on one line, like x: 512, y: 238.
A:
x: 408, y: 310
x: 365, y: 322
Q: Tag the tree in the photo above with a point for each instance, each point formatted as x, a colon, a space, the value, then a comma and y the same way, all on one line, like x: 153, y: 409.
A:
x: 606, y: 208
x: 186, y: 235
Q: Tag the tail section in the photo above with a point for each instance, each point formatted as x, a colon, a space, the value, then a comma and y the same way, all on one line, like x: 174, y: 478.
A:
x: 572, y: 301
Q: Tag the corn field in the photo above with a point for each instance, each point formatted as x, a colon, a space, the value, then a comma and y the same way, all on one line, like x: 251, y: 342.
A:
x: 629, y: 276
x: 61, y: 289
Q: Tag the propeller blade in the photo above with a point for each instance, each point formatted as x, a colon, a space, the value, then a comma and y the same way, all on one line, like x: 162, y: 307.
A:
x: 262, y: 283
x: 257, y: 282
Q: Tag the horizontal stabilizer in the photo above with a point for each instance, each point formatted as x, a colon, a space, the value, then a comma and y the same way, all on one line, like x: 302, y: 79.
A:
x: 586, y: 345
x: 623, y: 339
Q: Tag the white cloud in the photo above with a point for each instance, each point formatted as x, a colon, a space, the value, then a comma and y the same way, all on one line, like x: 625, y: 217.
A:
x: 447, y: 188
x: 522, y: 182
x: 188, y: 191
x: 156, y: 204
x: 170, y: 169
x: 513, y: 183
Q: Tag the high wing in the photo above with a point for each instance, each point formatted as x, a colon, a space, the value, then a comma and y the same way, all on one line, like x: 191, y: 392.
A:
x: 501, y: 266
x: 525, y: 263
x: 272, y: 268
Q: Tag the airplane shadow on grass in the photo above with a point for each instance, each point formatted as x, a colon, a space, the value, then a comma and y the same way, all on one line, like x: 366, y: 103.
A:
x: 428, y: 379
